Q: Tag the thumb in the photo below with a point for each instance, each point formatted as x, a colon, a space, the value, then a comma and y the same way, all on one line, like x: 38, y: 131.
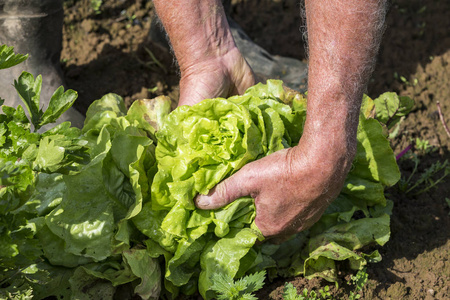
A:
x: 227, y: 191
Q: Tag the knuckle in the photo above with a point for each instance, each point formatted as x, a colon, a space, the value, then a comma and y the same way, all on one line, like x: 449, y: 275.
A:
x: 221, y: 192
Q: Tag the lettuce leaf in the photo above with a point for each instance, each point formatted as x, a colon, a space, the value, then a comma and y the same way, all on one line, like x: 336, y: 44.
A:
x: 109, y: 209
x: 199, y: 146
x: 68, y: 196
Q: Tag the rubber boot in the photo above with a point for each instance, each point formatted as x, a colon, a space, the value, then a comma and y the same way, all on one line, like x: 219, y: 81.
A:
x: 34, y: 27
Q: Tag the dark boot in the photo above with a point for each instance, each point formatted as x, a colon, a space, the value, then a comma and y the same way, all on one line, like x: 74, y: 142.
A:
x: 34, y: 27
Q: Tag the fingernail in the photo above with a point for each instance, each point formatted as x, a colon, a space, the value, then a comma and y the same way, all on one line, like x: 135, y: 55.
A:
x: 203, y: 200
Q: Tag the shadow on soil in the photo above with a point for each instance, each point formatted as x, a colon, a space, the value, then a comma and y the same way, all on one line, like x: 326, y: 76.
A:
x: 111, y: 73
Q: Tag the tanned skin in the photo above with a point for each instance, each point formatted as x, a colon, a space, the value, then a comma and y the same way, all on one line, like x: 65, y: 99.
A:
x: 292, y: 187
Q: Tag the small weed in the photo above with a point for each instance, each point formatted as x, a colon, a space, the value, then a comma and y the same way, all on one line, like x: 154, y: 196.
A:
x: 241, y: 289
x: 95, y: 5
x: 422, y: 10
x: 427, y: 179
x: 290, y: 293
x: 423, y: 146
x: 404, y: 80
x: 358, y: 280
x: 152, y: 64
x: 153, y: 89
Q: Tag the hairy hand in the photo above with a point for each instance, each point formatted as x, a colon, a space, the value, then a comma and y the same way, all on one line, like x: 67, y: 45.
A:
x: 291, y: 188
x: 222, y: 76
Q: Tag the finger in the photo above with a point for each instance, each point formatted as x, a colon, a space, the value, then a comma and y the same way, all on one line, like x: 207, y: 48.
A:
x: 225, y: 192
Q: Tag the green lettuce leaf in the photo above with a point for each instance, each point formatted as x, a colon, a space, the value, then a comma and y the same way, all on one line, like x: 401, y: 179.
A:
x: 59, y: 103
x: 390, y: 108
x: 199, y: 146
x: 147, y: 269
x: 111, y: 206
x: 8, y: 58
x: 224, y: 256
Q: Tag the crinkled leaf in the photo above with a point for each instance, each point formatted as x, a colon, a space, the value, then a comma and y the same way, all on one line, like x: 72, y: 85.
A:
x: 54, y: 250
x: 125, y: 171
x: 199, y: 146
x: 147, y: 269
x: 85, y: 217
x: 273, y: 89
x: 149, y: 114
x: 339, y: 243
x: 184, y: 264
x: 103, y: 111
x: 48, y: 193
x: 116, y: 271
x: 49, y: 154
x: 85, y: 286
x: 148, y: 221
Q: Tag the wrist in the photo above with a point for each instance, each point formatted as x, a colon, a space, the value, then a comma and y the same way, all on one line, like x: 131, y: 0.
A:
x: 332, y: 118
x: 198, y: 30
x: 330, y: 143
x: 212, y: 64
x: 207, y: 48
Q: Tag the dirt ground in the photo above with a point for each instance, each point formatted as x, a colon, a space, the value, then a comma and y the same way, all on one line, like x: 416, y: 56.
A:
x: 110, y: 51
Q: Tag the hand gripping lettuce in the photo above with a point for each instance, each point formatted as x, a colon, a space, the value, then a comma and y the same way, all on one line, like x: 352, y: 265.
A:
x: 199, y: 146
x: 85, y: 213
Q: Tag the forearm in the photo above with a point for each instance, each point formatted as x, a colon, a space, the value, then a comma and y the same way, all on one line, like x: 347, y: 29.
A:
x: 198, y: 29
x: 343, y: 39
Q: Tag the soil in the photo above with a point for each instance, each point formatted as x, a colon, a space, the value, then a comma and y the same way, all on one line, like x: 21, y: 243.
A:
x: 111, y: 51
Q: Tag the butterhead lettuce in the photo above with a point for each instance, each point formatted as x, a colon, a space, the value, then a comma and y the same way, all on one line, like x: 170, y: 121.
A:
x: 199, y: 146
x: 84, y: 213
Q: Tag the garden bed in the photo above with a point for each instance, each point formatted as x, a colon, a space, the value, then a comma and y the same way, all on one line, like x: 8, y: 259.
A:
x: 414, y: 61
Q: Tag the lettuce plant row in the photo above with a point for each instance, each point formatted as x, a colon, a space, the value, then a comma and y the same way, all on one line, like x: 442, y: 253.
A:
x: 108, y: 209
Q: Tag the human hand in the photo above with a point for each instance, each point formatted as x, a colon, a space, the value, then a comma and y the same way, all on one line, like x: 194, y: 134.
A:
x: 220, y: 76
x: 210, y: 63
x: 291, y: 187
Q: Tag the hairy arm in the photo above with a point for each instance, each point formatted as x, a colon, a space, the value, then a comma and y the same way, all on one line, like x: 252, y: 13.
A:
x: 209, y: 61
x: 343, y: 37
x: 293, y: 187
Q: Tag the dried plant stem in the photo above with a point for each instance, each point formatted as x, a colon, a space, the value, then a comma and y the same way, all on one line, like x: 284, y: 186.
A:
x: 442, y: 118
